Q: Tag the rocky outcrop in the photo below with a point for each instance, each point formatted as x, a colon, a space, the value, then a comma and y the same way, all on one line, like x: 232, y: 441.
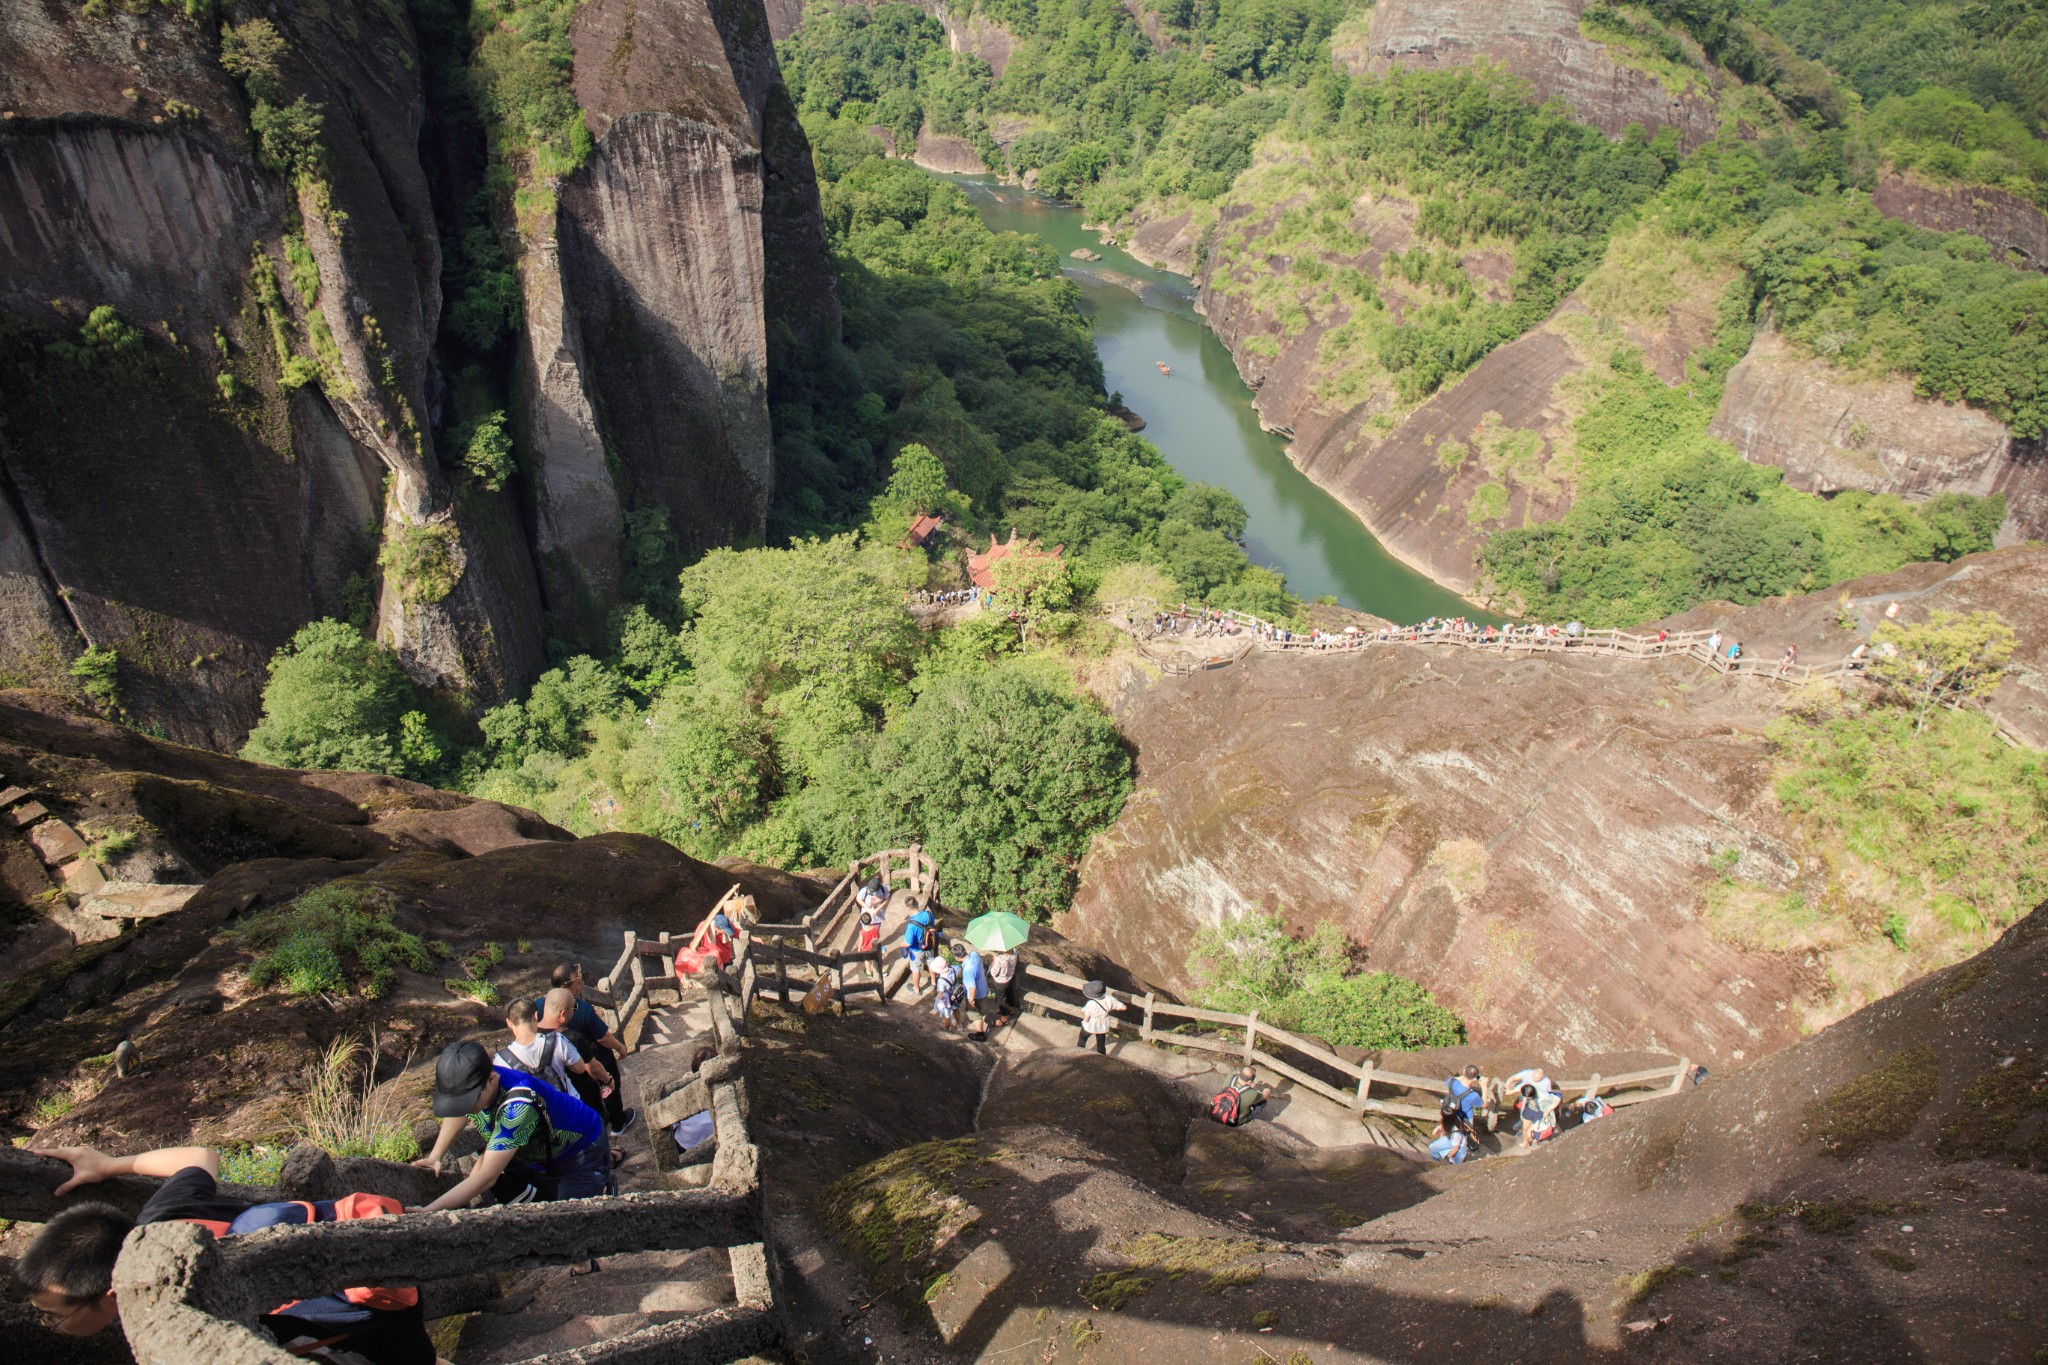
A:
x: 946, y: 154
x: 1830, y: 432
x: 1533, y: 839
x: 1539, y: 41
x: 2000, y: 217
x: 686, y: 241
x: 208, y: 509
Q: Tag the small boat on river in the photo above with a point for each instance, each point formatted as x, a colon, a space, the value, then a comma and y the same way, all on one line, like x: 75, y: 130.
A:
x: 1162, y: 367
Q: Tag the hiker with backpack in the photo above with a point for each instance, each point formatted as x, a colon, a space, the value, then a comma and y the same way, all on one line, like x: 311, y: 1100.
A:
x: 1239, y: 1100
x: 539, y: 1143
x: 974, y: 988
x: 948, y: 995
x: 1469, y: 1090
x: 560, y: 1013
x: 549, y: 1057
x: 1002, y: 978
x: 920, y: 939
x: 1097, y: 1004
x: 68, y: 1270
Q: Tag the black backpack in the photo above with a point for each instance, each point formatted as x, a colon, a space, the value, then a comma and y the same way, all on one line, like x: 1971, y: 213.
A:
x: 544, y: 1069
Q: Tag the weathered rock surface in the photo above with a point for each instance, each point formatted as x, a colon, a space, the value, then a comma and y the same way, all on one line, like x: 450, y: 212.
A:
x: 689, y: 236
x: 1829, y: 432
x: 2000, y: 217
x: 1529, y: 838
x: 1539, y: 41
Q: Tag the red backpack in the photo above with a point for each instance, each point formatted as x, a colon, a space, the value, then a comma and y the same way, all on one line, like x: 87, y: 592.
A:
x: 1223, y: 1108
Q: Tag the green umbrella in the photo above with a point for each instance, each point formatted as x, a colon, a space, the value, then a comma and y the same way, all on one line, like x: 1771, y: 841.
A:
x: 998, y: 931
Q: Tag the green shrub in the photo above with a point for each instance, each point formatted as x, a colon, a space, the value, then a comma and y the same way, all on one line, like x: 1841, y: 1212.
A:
x: 424, y: 560
x: 335, y: 939
x: 487, y: 451
x: 288, y: 139
x: 334, y: 700
x: 98, y: 674
x: 1311, y: 985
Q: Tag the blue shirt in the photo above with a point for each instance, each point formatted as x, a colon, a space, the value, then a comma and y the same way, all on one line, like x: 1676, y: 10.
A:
x: 1468, y: 1097
x: 515, y: 1125
x: 974, y: 976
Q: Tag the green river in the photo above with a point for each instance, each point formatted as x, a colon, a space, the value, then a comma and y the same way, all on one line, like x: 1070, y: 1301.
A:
x: 1201, y: 417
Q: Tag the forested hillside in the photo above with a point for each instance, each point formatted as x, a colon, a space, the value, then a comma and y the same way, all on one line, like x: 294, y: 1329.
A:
x: 1367, y: 236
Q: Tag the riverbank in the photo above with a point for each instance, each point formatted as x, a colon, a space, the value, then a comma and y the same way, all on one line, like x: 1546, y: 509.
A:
x: 1201, y: 415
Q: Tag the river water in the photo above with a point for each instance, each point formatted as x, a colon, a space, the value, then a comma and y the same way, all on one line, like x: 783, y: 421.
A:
x: 1202, y: 420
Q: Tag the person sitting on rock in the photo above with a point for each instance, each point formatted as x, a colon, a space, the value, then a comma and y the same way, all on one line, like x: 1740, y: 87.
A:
x: 1249, y: 1097
x: 68, y: 1270
x: 1452, y: 1140
x: 1538, y: 1114
x: 538, y: 1142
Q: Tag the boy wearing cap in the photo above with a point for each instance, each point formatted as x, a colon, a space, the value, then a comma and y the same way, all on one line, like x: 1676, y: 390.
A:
x: 538, y: 1142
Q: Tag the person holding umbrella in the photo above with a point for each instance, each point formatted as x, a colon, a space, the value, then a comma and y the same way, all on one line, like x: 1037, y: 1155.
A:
x: 998, y: 935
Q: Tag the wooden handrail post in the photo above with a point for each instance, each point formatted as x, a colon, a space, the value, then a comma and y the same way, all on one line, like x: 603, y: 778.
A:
x: 1145, y: 1029
x: 782, y: 969
x: 1684, y: 1070
x: 839, y: 977
x: 1251, y: 1035
x: 1592, y: 1087
x: 1364, y: 1088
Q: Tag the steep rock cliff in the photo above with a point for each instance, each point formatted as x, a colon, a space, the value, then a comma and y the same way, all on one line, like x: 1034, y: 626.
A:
x: 689, y: 235
x: 1830, y: 432
x: 2000, y: 217
x: 1533, y: 839
x: 1541, y: 42
x: 254, y: 446
x: 188, y: 508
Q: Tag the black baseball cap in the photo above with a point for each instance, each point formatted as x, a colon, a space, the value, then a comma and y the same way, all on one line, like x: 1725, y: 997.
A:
x: 459, y: 1077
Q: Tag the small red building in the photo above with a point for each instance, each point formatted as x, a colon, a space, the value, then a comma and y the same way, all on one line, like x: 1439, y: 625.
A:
x: 921, y: 532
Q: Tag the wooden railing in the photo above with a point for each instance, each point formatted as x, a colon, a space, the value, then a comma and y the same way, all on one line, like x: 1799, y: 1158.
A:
x: 1250, y: 1040
x: 773, y: 965
x: 1505, y: 640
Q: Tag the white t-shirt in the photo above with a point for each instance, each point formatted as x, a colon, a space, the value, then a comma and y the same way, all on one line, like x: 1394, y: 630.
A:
x: 565, y: 1057
x: 1533, y: 1077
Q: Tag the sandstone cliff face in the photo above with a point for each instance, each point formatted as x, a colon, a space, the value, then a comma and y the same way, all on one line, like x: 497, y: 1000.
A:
x: 1829, y: 433
x: 1539, y: 41
x: 207, y: 509
x: 2001, y: 218
x: 191, y: 532
x: 689, y: 234
x: 1528, y: 838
